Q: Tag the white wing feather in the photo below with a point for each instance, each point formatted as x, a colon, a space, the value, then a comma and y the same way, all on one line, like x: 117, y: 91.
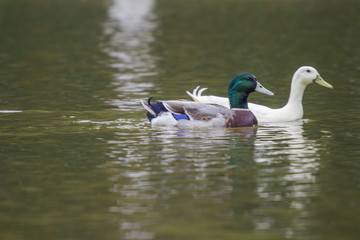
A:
x: 196, y: 95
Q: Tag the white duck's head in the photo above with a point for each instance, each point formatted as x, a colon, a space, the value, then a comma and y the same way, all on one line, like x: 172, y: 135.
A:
x: 307, y: 75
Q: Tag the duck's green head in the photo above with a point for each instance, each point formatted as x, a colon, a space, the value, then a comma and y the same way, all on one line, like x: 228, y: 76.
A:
x: 240, y: 88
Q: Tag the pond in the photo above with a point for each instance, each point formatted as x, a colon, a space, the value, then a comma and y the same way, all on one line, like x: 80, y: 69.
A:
x: 79, y: 159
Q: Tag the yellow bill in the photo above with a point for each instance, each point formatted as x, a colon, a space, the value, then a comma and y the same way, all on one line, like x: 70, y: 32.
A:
x: 322, y: 82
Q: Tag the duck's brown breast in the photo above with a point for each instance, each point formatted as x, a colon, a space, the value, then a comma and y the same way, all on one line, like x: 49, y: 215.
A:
x: 241, y: 118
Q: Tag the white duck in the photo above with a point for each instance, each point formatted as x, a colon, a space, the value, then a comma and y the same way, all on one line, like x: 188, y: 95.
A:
x: 293, y: 110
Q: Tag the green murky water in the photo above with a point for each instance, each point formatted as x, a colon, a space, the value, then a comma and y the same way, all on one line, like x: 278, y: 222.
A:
x: 80, y: 161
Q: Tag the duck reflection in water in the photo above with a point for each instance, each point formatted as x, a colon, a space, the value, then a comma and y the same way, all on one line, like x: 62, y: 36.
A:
x: 282, y: 169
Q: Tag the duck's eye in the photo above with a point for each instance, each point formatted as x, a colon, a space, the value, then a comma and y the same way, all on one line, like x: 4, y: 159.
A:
x: 308, y: 70
x: 248, y: 78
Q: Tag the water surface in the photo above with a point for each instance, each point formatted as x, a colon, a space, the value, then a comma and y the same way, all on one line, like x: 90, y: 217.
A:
x: 79, y: 159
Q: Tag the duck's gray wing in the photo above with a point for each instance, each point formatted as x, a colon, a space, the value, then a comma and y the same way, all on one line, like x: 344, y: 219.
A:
x: 197, y: 110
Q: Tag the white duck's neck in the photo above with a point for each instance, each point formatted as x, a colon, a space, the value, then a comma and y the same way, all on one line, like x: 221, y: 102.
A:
x: 296, y: 94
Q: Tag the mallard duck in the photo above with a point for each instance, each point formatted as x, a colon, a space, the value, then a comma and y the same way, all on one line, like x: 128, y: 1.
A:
x: 293, y: 110
x: 239, y: 115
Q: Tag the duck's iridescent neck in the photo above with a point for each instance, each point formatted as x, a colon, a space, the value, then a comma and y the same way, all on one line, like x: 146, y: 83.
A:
x: 238, y: 100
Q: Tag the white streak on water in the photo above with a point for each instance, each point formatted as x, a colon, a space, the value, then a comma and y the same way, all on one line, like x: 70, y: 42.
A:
x: 130, y: 27
x: 10, y: 111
